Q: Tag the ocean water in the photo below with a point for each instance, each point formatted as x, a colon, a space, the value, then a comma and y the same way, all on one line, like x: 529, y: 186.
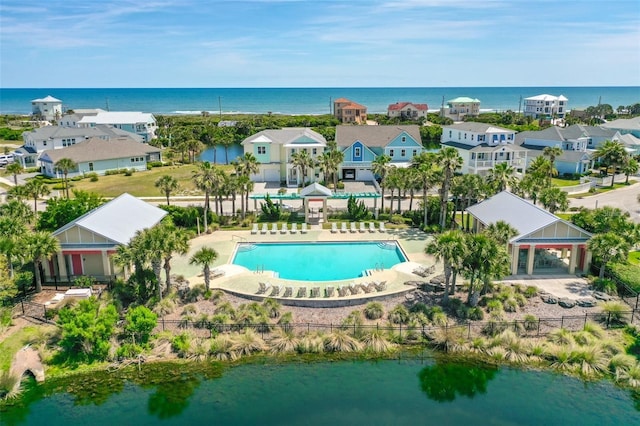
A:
x: 299, y: 100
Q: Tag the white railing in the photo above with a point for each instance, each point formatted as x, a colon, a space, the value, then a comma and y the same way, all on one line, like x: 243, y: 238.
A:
x: 577, y: 189
x: 356, y: 164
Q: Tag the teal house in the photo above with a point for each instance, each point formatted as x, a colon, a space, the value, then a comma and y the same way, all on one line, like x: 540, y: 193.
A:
x: 362, y: 144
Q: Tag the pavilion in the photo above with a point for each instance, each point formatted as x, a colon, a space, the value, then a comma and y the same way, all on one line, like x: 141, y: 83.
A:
x: 544, y: 244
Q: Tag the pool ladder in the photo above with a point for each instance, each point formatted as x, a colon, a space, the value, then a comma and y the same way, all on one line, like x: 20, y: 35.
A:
x: 378, y: 267
x: 260, y: 269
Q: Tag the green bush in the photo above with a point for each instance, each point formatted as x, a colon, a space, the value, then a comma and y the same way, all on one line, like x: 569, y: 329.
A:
x: 530, y: 322
x: 475, y: 314
x: 129, y: 172
x: 628, y: 274
x: 155, y: 164
x: 129, y: 350
x: 58, y: 186
x: 397, y: 219
x: 373, y: 310
x: 399, y: 315
x: 605, y: 285
x: 93, y: 176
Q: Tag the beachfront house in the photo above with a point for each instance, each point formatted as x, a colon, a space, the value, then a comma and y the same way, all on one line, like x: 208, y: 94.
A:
x: 72, y: 117
x: 362, y: 144
x: 88, y: 242
x: 460, y: 107
x: 46, y: 138
x: 625, y: 126
x: 141, y: 123
x: 545, y: 243
x: 349, y: 112
x: 545, y: 106
x: 274, y: 149
x: 99, y: 156
x: 407, y: 110
x: 48, y: 108
x: 482, y: 146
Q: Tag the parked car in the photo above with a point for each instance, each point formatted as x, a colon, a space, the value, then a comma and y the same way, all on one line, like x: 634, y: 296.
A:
x: 6, y: 159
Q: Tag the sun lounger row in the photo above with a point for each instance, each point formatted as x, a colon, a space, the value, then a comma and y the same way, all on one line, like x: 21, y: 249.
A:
x: 283, y: 229
x: 354, y: 227
x: 315, y: 292
x: 424, y: 271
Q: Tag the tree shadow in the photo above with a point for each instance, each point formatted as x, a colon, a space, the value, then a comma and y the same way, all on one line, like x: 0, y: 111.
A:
x: 444, y: 381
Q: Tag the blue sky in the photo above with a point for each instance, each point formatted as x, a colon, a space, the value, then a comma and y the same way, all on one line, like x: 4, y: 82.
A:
x: 319, y: 43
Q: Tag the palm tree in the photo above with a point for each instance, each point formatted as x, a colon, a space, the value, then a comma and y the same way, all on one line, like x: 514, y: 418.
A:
x: 175, y: 240
x: 542, y: 167
x: 303, y: 161
x: 484, y: 258
x: 36, y: 246
x: 325, y: 162
x: 552, y: 152
x: 246, y: 165
x: 167, y: 184
x: 36, y: 188
x: 424, y: 164
x: 474, y: 189
x: 501, y: 177
x: 501, y: 231
x: 204, y: 257
x: 205, y: 179
x: 337, y: 157
x: 531, y: 185
x: 15, y: 169
x: 612, y: 154
x: 149, y: 246
x: 554, y: 199
x: 193, y: 147
x: 380, y: 167
x: 450, y: 161
x: 65, y: 165
x: 448, y: 247
x: 11, y: 228
x: 608, y: 247
x: 631, y: 167
x: 225, y: 138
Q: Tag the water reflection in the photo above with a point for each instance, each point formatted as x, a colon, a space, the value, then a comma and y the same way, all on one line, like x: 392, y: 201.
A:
x: 444, y: 381
x: 171, y: 398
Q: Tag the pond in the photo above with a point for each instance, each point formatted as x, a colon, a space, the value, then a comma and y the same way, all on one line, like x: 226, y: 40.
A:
x: 218, y: 155
x: 393, y: 392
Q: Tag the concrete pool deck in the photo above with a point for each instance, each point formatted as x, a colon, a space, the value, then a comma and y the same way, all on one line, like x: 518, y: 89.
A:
x: 245, y: 283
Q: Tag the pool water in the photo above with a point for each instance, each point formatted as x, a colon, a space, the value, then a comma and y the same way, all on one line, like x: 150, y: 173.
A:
x: 319, y: 261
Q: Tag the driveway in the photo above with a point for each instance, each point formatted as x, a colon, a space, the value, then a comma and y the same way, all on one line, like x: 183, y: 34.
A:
x: 625, y: 199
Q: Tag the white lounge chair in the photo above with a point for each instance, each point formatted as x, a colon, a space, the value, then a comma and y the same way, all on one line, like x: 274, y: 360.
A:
x: 262, y: 287
x: 302, y: 292
x: 329, y: 291
x: 304, y: 228
x: 254, y: 230
x: 288, y: 292
x: 284, y: 229
x: 362, y: 227
x: 276, y: 290
x: 265, y: 228
x: 294, y: 228
x: 334, y: 227
x: 315, y: 291
x: 382, y: 227
x: 372, y: 227
x: 343, y: 228
x: 274, y: 228
x: 353, y: 227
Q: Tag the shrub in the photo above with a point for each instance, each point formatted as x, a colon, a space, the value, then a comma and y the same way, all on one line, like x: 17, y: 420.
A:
x: 373, y: 310
x: 155, y: 164
x: 475, y: 314
x: 510, y: 305
x: 495, y: 307
x: 84, y: 281
x: 605, y: 285
x: 530, y: 322
x: 129, y: 350
x: 181, y: 344
x: 397, y: 219
x: 399, y: 315
x: 616, y: 312
x: 129, y: 172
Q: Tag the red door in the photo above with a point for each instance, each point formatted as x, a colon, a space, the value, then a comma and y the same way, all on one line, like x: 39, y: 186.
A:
x: 76, y: 260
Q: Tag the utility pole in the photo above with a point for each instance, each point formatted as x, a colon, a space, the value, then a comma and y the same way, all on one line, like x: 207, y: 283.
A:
x: 220, y: 106
x: 519, y: 105
x: 442, y: 107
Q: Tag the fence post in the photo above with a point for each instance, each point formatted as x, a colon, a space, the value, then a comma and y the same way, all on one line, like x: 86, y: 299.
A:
x: 400, y: 330
x: 22, y: 305
x: 585, y: 320
x: 469, y: 331
x: 162, y: 323
x: 562, y: 322
x: 538, y: 327
x: 608, y: 319
x: 44, y: 308
x: 307, y: 327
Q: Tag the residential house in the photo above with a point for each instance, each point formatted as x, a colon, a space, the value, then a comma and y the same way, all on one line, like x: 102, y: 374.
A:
x: 460, y: 107
x: 48, y: 108
x: 482, y: 146
x: 543, y: 106
x: 71, y: 119
x: 349, y: 112
x: 544, y: 244
x: 625, y: 126
x: 630, y: 142
x: 407, y: 110
x: 274, y: 148
x: 99, y: 156
x: 88, y: 243
x: 45, y: 138
x: 141, y: 123
x: 362, y: 144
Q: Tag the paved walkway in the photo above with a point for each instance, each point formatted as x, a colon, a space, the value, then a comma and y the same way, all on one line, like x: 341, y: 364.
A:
x: 561, y: 286
x: 625, y: 199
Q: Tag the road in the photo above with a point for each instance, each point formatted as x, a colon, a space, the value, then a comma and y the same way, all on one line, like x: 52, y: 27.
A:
x: 625, y: 199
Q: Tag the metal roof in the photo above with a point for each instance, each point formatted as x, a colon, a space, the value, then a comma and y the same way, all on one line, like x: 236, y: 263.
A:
x: 119, y: 219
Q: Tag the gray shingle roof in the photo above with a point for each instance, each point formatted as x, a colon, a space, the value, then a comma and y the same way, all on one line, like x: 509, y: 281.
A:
x: 374, y: 136
x: 119, y: 219
x: 100, y: 130
x: 96, y: 149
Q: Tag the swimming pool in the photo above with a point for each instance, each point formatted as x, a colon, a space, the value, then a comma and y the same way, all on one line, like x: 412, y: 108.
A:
x: 318, y: 261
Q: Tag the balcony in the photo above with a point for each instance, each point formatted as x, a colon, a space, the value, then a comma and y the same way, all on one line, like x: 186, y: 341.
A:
x: 361, y: 164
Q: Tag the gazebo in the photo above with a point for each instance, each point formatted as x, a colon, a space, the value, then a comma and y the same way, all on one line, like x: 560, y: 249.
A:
x: 315, y: 193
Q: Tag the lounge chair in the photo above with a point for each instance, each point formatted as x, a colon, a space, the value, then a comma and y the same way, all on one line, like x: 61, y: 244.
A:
x: 288, y: 292
x: 216, y: 273
x: 381, y: 286
x: 262, y: 288
x: 294, y: 228
x: 265, y: 228
x: 343, y: 228
x: 302, y: 292
x: 354, y: 289
x: 343, y: 291
x: 382, y: 227
x: 276, y: 290
x: 329, y: 291
x: 372, y: 227
x: 284, y: 229
x: 369, y: 288
x: 315, y: 292
x: 254, y: 230
x: 274, y: 228
x: 362, y: 227
x: 353, y: 228
x: 334, y: 227
x: 304, y: 228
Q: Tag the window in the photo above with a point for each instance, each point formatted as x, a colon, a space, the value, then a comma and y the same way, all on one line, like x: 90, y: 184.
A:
x: 472, y: 136
x: 480, y: 138
x: 314, y: 151
x: 390, y: 153
x: 465, y: 136
x: 262, y: 150
x: 450, y: 132
x: 90, y: 167
x: 44, y: 143
x: 356, y: 151
x: 403, y: 153
x: 404, y: 139
x: 459, y: 135
x: 415, y: 152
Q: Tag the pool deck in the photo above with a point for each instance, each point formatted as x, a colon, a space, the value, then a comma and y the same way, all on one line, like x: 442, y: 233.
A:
x: 245, y: 283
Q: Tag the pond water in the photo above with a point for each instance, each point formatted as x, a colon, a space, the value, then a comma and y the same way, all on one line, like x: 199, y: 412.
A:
x: 388, y: 392
x: 218, y: 155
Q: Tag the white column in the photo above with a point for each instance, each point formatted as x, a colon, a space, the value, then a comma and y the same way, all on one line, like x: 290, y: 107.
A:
x: 324, y: 210
x: 106, y: 265
x: 573, y: 258
x: 515, y: 255
x: 306, y: 209
x: 530, y: 258
x: 587, y: 261
x: 62, y: 268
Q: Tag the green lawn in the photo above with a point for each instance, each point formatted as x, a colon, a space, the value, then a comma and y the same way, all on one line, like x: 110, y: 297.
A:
x: 565, y: 182
x: 13, y: 343
x: 634, y: 257
x: 142, y: 184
